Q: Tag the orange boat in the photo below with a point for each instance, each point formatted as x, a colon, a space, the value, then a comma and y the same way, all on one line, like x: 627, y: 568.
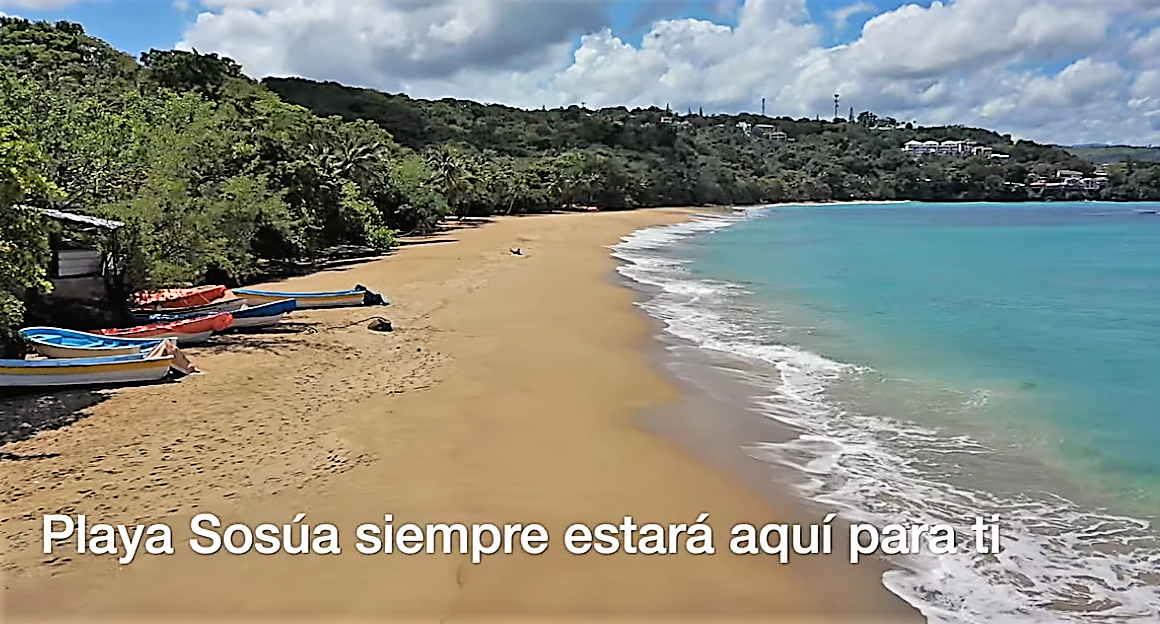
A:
x: 178, y: 297
x: 185, y: 331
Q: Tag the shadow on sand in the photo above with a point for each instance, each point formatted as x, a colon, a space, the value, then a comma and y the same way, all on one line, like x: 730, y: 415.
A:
x: 256, y: 340
x: 24, y: 413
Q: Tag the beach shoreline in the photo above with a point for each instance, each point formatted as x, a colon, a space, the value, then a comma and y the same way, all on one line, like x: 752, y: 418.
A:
x: 509, y: 392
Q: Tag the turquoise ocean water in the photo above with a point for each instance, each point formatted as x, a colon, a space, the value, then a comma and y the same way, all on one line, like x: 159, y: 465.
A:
x: 945, y: 361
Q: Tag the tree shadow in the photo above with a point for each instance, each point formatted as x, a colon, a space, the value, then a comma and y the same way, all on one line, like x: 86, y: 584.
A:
x: 355, y: 261
x: 5, y: 456
x: 25, y: 413
x: 256, y: 339
x: 469, y: 222
x: 433, y: 241
x: 284, y: 328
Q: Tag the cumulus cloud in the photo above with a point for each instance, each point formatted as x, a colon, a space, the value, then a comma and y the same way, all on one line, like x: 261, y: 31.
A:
x: 977, y: 62
x: 387, y: 43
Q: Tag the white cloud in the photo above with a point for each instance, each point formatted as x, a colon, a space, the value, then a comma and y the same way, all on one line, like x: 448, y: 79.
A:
x: 389, y: 42
x: 961, y: 61
x: 841, y: 17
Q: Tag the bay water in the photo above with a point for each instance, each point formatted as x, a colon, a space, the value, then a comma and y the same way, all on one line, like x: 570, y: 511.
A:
x: 943, y: 362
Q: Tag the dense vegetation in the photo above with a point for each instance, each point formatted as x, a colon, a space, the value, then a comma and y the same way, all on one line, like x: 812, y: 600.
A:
x: 1108, y: 154
x: 219, y: 177
x: 630, y: 158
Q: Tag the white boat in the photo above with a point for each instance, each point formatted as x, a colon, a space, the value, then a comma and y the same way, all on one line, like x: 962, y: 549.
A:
x: 117, y: 369
x: 359, y: 296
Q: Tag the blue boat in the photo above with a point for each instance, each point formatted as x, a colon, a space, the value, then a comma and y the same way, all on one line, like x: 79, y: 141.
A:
x: 263, y: 315
x: 55, y: 342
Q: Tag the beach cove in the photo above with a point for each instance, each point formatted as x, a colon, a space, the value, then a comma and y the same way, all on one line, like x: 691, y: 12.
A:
x: 507, y: 393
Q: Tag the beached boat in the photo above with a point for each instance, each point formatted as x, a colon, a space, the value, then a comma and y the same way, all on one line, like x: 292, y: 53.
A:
x: 246, y: 317
x: 263, y: 315
x: 359, y: 296
x: 117, y: 369
x: 184, y: 331
x: 178, y: 297
x: 229, y: 304
x: 55, y: 342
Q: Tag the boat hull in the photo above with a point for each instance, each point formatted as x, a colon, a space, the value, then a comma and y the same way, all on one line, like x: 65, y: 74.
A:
x: 257, y: 321
x: 59, y: 352
x: 69, y: 373
x: 188, y: 331
x: 179, y: 297
x: 222, y: 305
x: 305, y: 300
x: 333, y: 301
x: 55, y: 342
x: 185, y: 339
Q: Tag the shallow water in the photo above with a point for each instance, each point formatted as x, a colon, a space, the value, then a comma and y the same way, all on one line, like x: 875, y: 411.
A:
x: 942, y: 362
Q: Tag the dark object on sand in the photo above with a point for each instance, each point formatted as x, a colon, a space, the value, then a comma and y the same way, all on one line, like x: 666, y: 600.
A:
x: 372, y: 298
x: 517, y: 252
x: 377, y: 324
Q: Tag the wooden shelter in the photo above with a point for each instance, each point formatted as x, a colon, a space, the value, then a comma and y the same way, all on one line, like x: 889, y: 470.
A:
x: 78, y: 267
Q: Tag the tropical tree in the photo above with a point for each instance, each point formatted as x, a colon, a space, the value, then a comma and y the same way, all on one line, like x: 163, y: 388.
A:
x: 451, y: 177
x: 24, y: 251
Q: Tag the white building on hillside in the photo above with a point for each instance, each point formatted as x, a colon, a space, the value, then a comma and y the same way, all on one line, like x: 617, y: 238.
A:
x: 946, y: 148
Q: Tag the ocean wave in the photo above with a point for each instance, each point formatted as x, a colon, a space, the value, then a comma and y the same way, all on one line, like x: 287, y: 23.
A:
x: 1060, y: 562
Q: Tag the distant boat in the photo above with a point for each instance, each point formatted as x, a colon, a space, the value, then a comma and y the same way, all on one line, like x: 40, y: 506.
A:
x: 245, y: 317
x: 1151, y: 212
x: 55, y: 342
x: 336, y: 299
x: 185, y: 331
x: 221, y: 305
x: 117, y: 369
x: 263, y: 315
x: 178, y: 297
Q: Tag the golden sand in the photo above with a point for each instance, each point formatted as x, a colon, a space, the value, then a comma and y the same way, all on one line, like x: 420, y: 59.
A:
x: 506, y: 394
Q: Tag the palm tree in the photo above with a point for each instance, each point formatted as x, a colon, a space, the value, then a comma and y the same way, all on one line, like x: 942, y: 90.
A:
x: 450, y: 176
x: 517, y: 186
x: 587, y: 182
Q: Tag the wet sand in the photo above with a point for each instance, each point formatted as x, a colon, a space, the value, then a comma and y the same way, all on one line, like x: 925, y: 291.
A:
x: 508, y: 393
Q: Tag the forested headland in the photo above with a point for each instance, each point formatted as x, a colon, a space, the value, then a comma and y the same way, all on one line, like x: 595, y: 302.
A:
x: 218, y: 176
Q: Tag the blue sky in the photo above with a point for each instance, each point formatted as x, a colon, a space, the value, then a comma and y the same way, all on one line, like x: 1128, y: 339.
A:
x: 1060, y: 71
x: 135, y: 26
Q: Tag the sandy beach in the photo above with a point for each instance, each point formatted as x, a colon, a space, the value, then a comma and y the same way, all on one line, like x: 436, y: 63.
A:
x: 508, y: 392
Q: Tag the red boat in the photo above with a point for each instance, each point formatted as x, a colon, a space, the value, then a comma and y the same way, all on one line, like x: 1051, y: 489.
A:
x: 184, y: 331
x: 178, y: 297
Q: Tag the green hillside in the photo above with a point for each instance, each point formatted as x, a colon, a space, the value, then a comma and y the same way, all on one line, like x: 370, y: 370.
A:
x: 1115, y: 154
x: 219, y: 177
x: 638, y: 160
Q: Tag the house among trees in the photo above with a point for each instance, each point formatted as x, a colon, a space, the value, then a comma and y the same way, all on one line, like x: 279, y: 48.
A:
x: 78, y: 267
x: 765, y: 131
x: 959, y: 149
x: 770, y: 131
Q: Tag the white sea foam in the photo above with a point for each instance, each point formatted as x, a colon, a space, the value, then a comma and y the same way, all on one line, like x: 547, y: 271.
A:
x: 1060, y: 562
